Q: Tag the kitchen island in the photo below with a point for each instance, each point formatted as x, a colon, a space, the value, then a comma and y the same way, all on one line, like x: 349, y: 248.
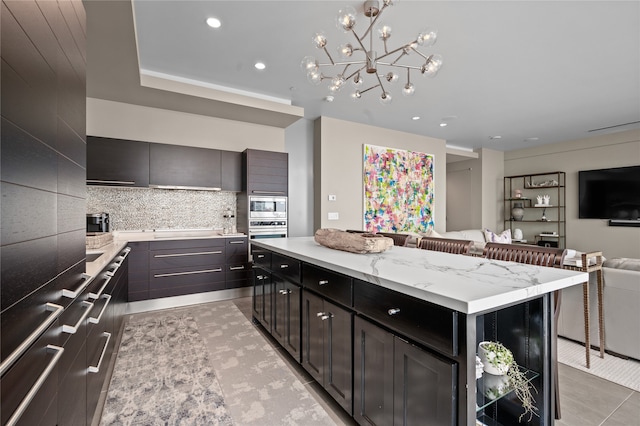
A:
x: 392, y: 336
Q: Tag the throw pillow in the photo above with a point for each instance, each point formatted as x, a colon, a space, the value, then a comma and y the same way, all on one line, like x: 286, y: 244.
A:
x: 503, y: 237
x: 431, y: 233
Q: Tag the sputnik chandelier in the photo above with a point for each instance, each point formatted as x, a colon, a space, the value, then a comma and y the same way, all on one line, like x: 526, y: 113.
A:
x: 380, y: 67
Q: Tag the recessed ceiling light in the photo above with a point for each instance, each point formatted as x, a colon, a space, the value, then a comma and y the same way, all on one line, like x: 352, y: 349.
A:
x: 495, y: 137
x: 260, y: 65
x: 213, y: 22
x: 443, y: 124
x: 416, y: 118
x: 328, y: 98
x: 531, y: 139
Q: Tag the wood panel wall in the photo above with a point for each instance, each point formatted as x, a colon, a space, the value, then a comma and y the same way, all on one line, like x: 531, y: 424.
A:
x: 43, y: 158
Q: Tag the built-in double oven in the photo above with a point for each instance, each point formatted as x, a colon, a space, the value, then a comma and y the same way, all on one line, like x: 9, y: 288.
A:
x: 267, y: 217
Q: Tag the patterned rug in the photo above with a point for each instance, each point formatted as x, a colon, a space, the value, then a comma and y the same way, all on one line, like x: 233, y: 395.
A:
x: 163, y: 376
x: 611, y: 368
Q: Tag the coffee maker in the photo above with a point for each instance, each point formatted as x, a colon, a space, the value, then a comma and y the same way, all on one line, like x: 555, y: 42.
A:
x: 97, y: 222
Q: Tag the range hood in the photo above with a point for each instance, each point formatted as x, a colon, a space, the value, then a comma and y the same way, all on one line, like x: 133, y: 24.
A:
x: 190, y: 188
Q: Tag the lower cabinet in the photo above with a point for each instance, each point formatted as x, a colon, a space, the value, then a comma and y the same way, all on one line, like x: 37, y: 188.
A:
x: 286, y: 315
x: 398, y: 383
x: 262, y: 297
x: 327, y: 347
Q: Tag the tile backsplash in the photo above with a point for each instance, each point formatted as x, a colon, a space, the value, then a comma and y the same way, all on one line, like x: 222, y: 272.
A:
x: 145, y: 208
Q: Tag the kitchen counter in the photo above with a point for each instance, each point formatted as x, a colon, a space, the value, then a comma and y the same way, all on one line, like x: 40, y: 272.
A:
x: 466, y: 284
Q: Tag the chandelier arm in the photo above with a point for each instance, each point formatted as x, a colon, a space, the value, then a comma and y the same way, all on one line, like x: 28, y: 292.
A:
x: 329, y: 56
x: 374, y: 21
x: 343, y: 63
x: 355, y: 72
x: 380, y: 84
x: 364, y: 49
x: 399, y: 57
x: 396, y: 50
x: 389, y: 64
x: 366, y: 90
x: 420, y: 53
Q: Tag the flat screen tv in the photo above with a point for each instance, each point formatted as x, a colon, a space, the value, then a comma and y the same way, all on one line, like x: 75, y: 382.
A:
x: 610, y: 193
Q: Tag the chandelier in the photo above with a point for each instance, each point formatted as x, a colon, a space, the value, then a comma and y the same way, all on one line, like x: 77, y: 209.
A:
x: 360, y: 60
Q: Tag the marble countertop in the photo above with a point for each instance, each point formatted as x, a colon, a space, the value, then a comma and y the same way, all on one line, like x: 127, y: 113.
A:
x: 466, y: 284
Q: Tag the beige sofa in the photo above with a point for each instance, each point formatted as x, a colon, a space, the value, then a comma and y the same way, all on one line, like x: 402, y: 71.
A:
x: 621, y: 308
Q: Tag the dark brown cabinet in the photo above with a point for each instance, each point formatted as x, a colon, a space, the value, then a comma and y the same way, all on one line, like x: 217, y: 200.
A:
x: 117, y: 162
x: 230, y: 171
x: 327, y: 346
x: 286, y: 315
x: 236, y: 262
x: 262, y: 297
x: 265, y: 172
x: 396, y: 382
x: 174, y: 165
x: 138, y: 271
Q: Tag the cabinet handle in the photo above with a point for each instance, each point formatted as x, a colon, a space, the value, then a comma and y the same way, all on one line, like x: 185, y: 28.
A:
x: 323, y: 282
x: 93, y: 320
x: 73, y: 329
x: 255, y: 191
x: 260, y: 256
x: 187, y: 254
x: 236, y: 268
x: 37, y: 385
x: 72, y: 294
x: 122, y: 256
x: 283, y: 266
x: 97, y: 295
x: 260, y: 277
x: 284, y: 292
x: 238, y: 242
x: 326, y: 317
x: 175, y: 274
x: 55, y: 310
x: 113, y: 182
x: 96, y: 369
x: 393, y: 311
x: 319, y: 314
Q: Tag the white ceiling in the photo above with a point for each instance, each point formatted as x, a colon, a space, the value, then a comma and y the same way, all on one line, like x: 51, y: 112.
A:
x: 552, y: 70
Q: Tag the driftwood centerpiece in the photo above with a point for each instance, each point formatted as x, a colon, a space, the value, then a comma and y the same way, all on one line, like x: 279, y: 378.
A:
x: 352, y: 242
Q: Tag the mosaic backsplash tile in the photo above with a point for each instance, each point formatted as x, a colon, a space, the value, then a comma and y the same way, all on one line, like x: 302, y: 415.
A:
x: 145, y: 208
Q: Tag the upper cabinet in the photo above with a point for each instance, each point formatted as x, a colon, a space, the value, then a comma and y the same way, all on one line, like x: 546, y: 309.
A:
x: 175, y: 165
x: 117, y: 162
x: 230, y: 171
x: 265, y: 172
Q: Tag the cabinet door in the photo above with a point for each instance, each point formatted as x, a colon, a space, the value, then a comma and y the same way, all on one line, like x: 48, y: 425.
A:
x: 266, y: 172
x: 313, y: 336
x: 424, y: 387
x: 117, y: 162
x: 338, y: 349
x: 231, y: 171
x: 262, y: 298
x: 287, y: 315
x: 372, y: 374
x: 138, y: 283
x: 174, y: 165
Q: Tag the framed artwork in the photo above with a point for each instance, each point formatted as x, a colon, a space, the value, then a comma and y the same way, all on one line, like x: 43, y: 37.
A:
x: 398, y: 190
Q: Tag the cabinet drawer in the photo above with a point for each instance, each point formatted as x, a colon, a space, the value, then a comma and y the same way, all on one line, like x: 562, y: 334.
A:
x: 237, y: 271
x: 336, y: 287
x: 422, y: 321
x: 237, y: 250
x: 261, y: 257
x: 286, y: 267
x: 188, y: 257
x: 186, y: 244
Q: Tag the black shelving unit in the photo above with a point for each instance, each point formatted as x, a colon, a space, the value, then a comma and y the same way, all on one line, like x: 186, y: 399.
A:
x: 541, y: 224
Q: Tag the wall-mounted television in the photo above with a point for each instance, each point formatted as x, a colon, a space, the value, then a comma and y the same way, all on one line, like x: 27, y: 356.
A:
x: 610, y: 193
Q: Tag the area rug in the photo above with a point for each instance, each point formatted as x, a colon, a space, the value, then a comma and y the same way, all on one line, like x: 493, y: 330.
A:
x: 623, y: 372
x: 163, y: 376
x: 260, y: 388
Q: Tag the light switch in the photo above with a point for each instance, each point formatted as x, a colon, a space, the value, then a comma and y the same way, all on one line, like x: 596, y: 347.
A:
x: 332, y: 197
x: 333, y: 216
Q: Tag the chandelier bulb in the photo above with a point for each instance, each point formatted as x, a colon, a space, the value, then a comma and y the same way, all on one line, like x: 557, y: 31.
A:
x: 319, y: 40
x: 355, y: 96
x: 391, y: 77
x: 409, y: 89
x: 345, y: 50
x: 357, y: 80
x: 385, y: 98
x: 384, y: 32
x: 427, y: 37
x: 314, y: 77
x: 309, y: 63
x: 432, y: 65
x: 346, y: 18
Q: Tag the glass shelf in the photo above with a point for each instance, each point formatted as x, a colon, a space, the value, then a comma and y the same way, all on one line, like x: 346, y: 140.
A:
x: 488, y: 384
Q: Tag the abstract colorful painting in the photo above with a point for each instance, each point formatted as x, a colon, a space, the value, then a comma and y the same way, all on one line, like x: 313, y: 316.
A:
x: 398, y: 190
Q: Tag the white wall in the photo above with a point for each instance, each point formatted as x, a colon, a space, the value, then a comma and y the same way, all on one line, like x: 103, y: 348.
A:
x: 299, y: 145
x: 338, y: 169
x: 135, y: 122
x: 614, y: 150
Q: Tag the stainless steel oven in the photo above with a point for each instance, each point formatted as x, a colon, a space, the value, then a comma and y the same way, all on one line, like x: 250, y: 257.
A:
x: 261, y: 229
x: 267, y: 208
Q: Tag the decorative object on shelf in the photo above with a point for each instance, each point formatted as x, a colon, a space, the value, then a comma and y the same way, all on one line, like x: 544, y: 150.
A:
x: 539, y: 199
x: 545, y: 184
x: 496, y: 386
x: 479, y: 367
x: 499, y: 361
x: 517, y: 212
x: 368, y: 61
x: 545, y: 200
x: 517, y: 234
x: 517, y: 193
x: 544, y: 215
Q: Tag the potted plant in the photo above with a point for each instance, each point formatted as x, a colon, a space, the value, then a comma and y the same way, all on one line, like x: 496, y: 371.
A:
x: 499, y: 361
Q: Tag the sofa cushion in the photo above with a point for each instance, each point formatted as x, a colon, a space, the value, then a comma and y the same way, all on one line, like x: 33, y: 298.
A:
x: 622, y: 263
x: 503, y: 237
